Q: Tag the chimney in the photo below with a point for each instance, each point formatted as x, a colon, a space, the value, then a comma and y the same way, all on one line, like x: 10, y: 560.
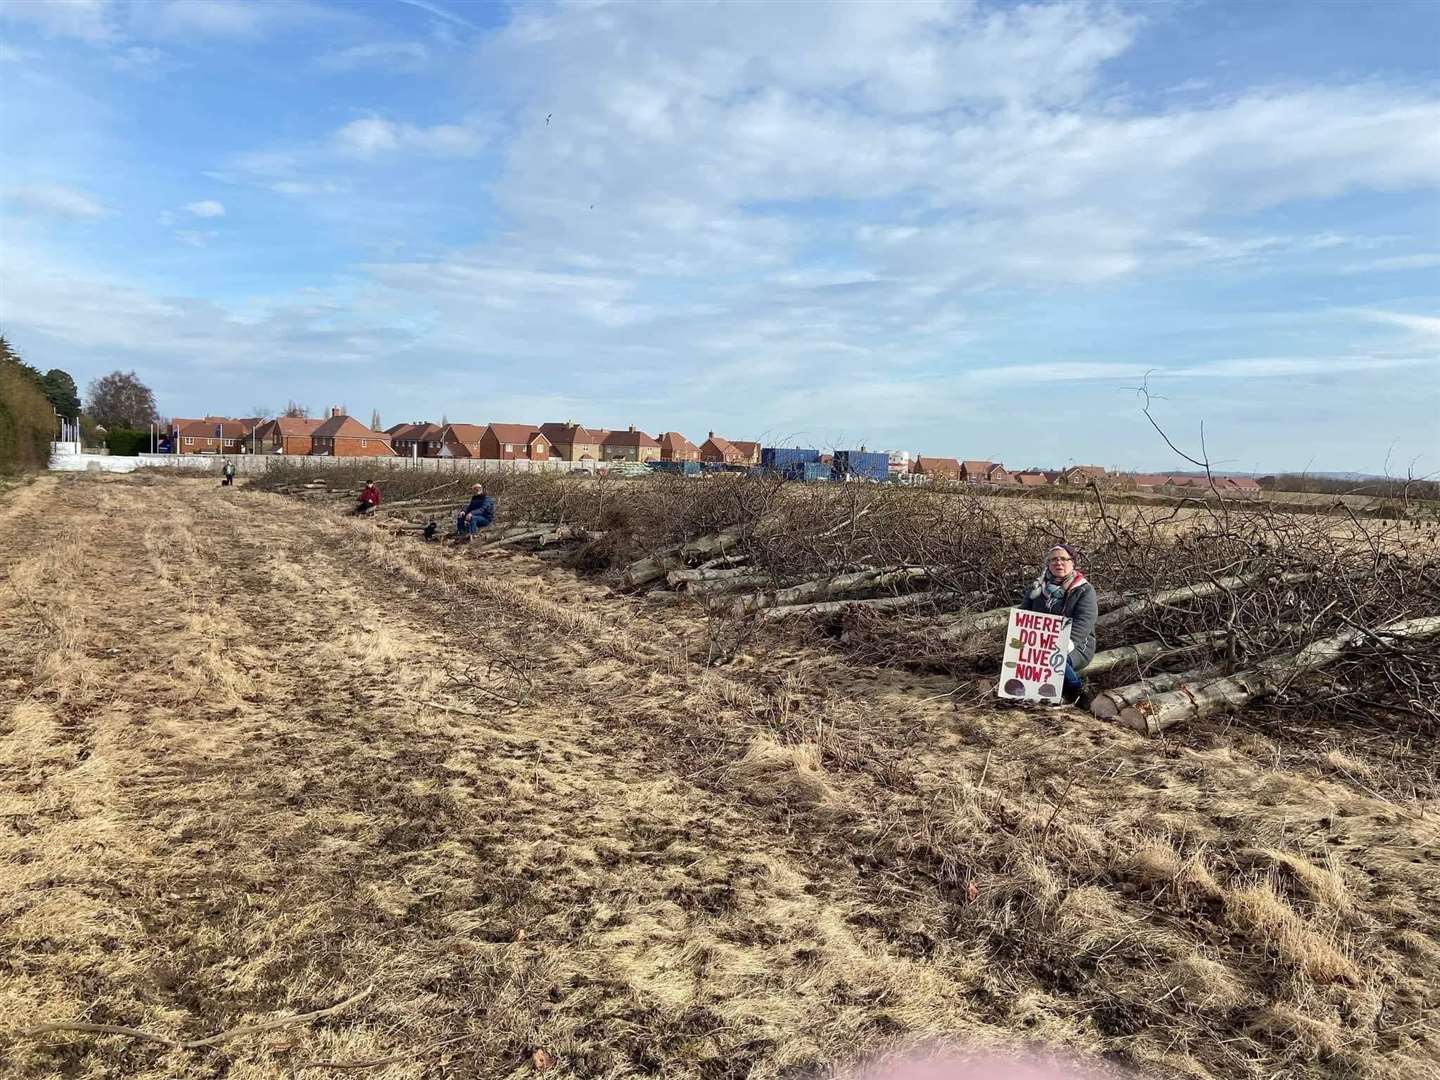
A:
x: 630, y: 428
x: 334, y: 411
x: 711, y: 435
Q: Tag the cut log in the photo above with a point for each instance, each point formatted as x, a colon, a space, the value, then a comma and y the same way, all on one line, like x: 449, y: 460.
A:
x: 1206, y: 696
x: 832, y: 607
x: 749, y: 578
x: 1197, y: 591
x: 653, y: 567
x: 1147, y: 651
x: 723, y: 561
x: 1108, y: 704
x: 701, y: 574
x: 826, y: 588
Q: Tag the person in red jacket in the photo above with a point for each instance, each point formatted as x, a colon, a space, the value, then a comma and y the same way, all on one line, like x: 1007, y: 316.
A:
x: 369, y: 499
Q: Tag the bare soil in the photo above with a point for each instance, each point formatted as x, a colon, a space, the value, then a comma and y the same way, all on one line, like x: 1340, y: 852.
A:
x: 256, y: 759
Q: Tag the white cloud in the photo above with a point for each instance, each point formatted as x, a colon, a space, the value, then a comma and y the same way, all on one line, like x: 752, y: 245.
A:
x: 206, y: 208
x: 371, y: 136
x: 1418, y: 261
x: 404, y: 56
x: 54, y: 199
x: 197, y: 238
x: 88, y: 20
x: 1425, y: 327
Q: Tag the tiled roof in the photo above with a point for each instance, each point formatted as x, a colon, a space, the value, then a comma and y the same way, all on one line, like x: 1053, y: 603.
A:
x: 205, y: 429
x: 673, y: 440
x: 629, y: 437
x: 977, y: 466
x: 347, y: 427
x: 289, y: 425
x: 423, y: 432
x: 937, y: 466
x: 466, y: 433
x: 569, y: 434
x: 516, y: 433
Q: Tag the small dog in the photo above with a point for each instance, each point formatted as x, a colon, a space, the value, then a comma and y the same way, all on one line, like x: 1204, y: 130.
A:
x: 431, y: 529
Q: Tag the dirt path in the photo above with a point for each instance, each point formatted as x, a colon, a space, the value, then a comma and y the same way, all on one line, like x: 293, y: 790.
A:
x: 255, y: 759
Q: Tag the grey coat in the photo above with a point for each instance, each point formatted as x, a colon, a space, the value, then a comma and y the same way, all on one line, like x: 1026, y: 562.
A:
x: 1082, y: 608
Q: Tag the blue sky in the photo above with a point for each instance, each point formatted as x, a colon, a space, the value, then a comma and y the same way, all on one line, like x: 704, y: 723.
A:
x: 964, y: 228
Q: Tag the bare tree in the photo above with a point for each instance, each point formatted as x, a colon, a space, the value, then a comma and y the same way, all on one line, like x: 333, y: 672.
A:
x: 121, y: 400
x: 295, y: 410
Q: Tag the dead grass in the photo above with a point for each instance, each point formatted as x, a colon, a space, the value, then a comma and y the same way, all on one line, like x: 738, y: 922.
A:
x: 238, y: 781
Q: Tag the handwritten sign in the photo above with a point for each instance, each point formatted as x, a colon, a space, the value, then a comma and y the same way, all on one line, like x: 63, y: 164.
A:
x: 1036, y: 646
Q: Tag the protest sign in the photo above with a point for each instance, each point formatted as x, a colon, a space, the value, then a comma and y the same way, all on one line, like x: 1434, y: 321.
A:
x: 1036, y: 646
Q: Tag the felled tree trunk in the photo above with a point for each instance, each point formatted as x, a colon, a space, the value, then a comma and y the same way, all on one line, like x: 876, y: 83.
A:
x: 1108, y: 704
x: 654, y: 567
x: 704, y: 573
x: 1149, y: 650
x: 1187, y: 592
x: 1153, y: 713
x: 831, y: 607
x: 826, y: 588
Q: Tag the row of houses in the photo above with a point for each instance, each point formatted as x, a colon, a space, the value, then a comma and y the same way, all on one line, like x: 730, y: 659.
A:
x: 339, y: 435
x: 995, y: 474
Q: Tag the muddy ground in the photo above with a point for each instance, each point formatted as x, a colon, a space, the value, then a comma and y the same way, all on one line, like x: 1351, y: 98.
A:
x: 256, y: 760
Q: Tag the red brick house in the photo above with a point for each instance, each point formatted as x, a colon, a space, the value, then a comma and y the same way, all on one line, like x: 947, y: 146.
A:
x: 511, y: 442
x: 1032, y: 478
x: 998, y: 474
x: 286, y: 435
x: 937, y: 468
x: 630, y: 445
x: 344, y: 436
x: 675, y: 447
x: 976, y: 472
x: 721, y: 451
x: 1081, y: 474
x: 420, y: 440
x: 461, y: 440
x: 574, y: 442
x: 749, y: 451
x: 213, y: 435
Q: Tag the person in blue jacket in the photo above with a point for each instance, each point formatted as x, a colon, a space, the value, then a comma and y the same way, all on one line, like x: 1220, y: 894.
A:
x: 477, y: 515
x: 1061, y: 589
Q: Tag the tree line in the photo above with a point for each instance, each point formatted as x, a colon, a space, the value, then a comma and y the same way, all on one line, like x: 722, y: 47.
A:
x: 118, y: 410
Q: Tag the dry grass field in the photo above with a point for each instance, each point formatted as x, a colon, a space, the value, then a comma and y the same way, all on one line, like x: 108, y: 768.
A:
x: 257, y: 760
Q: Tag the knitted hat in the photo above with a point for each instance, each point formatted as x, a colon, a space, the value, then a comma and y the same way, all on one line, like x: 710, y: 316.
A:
x: 1074, y: 554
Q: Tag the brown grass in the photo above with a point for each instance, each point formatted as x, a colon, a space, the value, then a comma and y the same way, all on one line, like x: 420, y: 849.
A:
x: 240, y: 779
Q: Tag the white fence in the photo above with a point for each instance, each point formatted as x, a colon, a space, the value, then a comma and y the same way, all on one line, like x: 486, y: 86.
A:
x: 68, y: 457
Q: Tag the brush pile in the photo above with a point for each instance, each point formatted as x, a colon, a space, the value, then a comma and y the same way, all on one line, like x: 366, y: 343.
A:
x: 1206, y: 607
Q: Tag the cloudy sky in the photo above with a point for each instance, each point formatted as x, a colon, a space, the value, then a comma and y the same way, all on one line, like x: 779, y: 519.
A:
x: 967, y: 228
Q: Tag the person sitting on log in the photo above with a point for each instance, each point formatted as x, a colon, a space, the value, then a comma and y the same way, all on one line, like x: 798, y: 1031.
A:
x: 369, y: 499
x: 1061, y: 589
x: 477, y: 515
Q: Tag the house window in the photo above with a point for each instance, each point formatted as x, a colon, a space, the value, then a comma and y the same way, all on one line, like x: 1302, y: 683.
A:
x: 364, y: 442
x: 189, y: 441
x: 509, y: 448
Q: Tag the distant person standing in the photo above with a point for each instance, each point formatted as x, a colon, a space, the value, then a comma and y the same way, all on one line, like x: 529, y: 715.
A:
x: 477, y: 515
x: 1061, y: 589
x: 369, y: 499
x: 227, y: 473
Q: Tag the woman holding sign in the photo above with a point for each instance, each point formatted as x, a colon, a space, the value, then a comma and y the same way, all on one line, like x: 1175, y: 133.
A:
x: 1061, y: 589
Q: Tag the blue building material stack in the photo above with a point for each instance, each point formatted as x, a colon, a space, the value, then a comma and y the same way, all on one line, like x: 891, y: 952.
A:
x: 861, y: 465
x: 789, y: 462
x: 813, y: 471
